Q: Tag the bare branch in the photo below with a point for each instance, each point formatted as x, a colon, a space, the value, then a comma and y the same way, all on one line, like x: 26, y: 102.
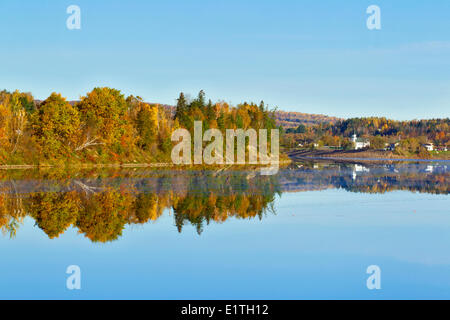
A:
x: 89, y: 143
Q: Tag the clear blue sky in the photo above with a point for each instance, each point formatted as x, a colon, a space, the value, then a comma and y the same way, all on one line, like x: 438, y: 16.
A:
x: 309, y: 56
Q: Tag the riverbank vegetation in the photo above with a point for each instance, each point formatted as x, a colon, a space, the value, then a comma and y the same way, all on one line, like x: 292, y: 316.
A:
x: 105, y: 127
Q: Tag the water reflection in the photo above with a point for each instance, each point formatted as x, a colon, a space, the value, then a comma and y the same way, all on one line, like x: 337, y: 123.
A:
x: 100, y: 203
x: 369, y: 177
x: 100, y: 207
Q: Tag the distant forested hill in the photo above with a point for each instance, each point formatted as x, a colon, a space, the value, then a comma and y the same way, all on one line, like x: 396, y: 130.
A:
x: 294, y: 119
x: 285, y: 119
x: 290, y: 119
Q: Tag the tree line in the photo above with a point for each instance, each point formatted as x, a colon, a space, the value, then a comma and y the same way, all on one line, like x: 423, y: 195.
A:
x: 107, y: 127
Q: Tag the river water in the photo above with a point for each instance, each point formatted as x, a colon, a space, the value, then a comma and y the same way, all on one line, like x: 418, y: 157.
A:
x: 309, y: 232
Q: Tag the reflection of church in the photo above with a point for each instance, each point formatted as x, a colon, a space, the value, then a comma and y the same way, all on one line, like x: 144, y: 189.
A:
x: 357, y: 168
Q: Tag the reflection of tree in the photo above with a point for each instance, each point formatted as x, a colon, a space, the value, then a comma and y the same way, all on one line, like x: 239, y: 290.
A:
x: 231, y: 195
x: 11, y: 209
x: 146, y: 208
x: 54, y: 212
x: 101, y: 209
x: 103, y: 216
x: 198, y: 209
x: 8, y: 222
x: 406, y: 177
x: 101, y: 205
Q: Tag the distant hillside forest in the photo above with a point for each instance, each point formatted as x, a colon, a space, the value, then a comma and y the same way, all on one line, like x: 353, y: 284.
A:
x: 289, y: 120
x: 106, y: 127
x: 406, y: 138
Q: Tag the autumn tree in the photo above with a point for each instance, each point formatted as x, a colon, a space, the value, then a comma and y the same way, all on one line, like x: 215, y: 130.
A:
x: 147, y: 127
x: 5, y: 127
x: 106, y: 120
x: 14, y: 110
x: 377, y: 142
x: 56, y: 126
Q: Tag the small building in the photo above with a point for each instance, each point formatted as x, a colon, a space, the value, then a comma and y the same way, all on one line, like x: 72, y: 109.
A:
x: 429, y: 146
x: 441, y: 148
x: 392, y: 146
x: 360, y: 143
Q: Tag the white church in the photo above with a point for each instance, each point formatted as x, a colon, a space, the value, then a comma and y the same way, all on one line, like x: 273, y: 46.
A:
x: 360, y: 143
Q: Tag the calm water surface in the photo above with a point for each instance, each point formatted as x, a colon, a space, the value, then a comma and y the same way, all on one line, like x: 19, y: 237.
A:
x: 309, y: 232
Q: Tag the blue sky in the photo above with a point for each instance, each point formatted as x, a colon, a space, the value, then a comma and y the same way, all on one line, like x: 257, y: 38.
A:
x: 307, y: 56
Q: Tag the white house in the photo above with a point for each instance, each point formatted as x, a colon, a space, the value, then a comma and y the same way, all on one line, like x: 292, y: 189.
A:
x: 429, y: 146
x: 360, y: 143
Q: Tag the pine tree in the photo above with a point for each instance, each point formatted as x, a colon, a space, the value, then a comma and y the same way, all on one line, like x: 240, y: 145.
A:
x: 201, y: 99
x: 147, y: 126
x: 181, y: 106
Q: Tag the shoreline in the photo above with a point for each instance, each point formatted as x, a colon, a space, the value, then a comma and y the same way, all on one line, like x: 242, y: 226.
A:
x: 84, y: 166
x: 132, y: 165
x: 357, y: 155
x: 342, y: 159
